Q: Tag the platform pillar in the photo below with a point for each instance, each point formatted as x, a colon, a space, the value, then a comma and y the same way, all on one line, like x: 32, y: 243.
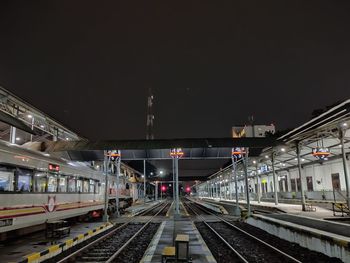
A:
x: 144, y: 181
x: 173, y: 164
x: 117, y: 164
x: 345, y: 166
x: 303, y: 202
x: 105, y: 164
x: 12, y: 135
x: 177, y: 201
x: 274, y: 177
x: 245, y: 164
x: 258, y: 179
x: 234, y: 173
x: 156, y: 192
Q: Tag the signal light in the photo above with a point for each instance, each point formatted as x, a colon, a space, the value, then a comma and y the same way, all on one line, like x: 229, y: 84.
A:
x: 188, y: 189
x: 163, y: 188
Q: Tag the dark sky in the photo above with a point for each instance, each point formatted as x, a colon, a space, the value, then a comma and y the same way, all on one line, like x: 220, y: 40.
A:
x: 89, y: 64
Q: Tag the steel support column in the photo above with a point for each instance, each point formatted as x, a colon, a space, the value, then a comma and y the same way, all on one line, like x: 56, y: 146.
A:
x: 177, y: 202
x: 303, y: 202
x: 274, y: 177
x: 345, y: 167
x: 234, y: 172
x: 174, y: 194
x: 117, y: 164
x: 105, y: 164
x: 258, y: 182
x: 245, y: 164
x: 12, y: 134
x: 144, y: 181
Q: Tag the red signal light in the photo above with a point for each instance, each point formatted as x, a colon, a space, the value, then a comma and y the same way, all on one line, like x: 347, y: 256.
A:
x: 188, y: 189
x: 163, y: 188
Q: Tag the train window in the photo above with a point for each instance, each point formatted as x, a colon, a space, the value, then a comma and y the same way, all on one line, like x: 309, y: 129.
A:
x: 52, y: 183
x: 85, y: 186
x: 71, y: 185
x: 24, y: 180
x: 40, y: 181
x: 79, y: 185
x: 6, y: 181
x: 62, y: 184
x: 92, y: 186
x: 97, y: 187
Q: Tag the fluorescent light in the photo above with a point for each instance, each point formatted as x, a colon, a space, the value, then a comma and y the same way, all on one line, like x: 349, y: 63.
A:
x: 30, y: 116
x: 18, y: 138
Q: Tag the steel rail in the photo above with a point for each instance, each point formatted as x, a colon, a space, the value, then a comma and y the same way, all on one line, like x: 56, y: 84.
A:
x: 135, y: 235
x: 250, y: 235
x: 218, y: 235
x: 79, y: 251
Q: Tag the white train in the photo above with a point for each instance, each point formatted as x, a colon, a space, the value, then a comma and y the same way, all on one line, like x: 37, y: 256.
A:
x: 34, y: 188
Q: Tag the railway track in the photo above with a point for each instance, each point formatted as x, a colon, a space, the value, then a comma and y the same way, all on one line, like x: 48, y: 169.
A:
x: 120, y: 244
x: 240, y: 245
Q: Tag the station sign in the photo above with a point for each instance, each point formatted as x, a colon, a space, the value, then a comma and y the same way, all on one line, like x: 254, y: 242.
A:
x: 54, y: 167
x: 321, y: 153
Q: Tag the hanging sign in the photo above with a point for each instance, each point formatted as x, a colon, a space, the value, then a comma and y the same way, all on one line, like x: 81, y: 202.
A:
x: 321, y: 153
x: 176, y: 153
x: 238, y: 152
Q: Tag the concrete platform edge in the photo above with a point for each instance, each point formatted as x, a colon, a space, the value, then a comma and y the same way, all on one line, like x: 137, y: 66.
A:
x: 57, y: 249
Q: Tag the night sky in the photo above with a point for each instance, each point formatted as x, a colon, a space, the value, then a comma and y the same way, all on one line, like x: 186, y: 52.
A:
x: 211, y: 64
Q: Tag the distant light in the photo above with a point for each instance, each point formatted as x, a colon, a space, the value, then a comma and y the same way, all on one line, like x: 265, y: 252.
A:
x: 283, y: 149
x: 46, y: 154
x: 142, y: 176
x: 97, y: 166
x: 283, y: 164
x: 151, y: 173
x: 18, y: 138
x: 67, y: 139
x: 161, y: 172
x: 340, y: 146
x: 30, y: 116
x: 295, y: 159
x: 266, y: 156
x: 254, y: 162
x: 302, y: 160
x: 169, y: 184
x: 345, y: 124
x: 42, y: 126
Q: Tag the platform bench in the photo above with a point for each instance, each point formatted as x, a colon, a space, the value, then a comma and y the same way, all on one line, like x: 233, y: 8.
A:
x: 168, y: 253
x: 61, y: 232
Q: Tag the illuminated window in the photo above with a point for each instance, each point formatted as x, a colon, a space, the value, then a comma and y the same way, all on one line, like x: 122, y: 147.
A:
x: 52, y: 184
x: 40, y: 182
x: 79, y: 185
x: 85, y: 186
x: 71, y: 185
x: 6, y: 181
x: 62, y: 184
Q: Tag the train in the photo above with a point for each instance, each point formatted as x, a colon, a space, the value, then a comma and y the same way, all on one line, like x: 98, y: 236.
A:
x: 36, y: 187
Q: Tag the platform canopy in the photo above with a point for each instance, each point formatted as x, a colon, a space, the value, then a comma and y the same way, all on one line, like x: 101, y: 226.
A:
x: 203, y: 148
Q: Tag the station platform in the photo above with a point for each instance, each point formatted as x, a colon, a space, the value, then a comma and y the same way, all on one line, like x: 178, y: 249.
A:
x: 136, y: 208
x: 169, y: 229
x: 295, y: 209
x: 30, y: 246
